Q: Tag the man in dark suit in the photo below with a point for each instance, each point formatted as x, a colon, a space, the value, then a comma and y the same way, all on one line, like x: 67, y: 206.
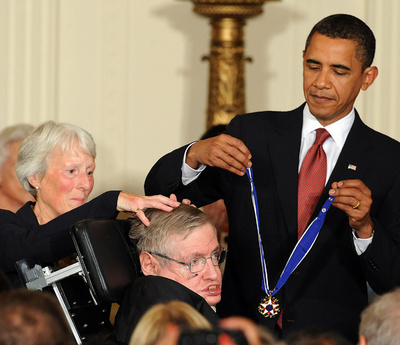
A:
x: 359, y: 241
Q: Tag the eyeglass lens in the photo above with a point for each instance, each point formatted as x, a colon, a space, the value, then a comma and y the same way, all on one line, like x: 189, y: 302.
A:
x: 197, y: 264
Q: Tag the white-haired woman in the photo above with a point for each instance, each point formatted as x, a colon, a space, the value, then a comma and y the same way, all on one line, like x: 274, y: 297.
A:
x: 56, y: 164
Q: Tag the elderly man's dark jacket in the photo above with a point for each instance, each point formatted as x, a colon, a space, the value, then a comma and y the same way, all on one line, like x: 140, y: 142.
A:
x: 329, y: 288
x: 147, y: 291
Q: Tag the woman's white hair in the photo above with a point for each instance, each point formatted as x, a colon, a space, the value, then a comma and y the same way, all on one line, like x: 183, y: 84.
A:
x: 35, y: 150
x: 10, y: 134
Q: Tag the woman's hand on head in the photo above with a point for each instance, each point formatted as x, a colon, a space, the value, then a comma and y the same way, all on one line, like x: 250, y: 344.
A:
x: 184, y: 201
x: 133, y: 203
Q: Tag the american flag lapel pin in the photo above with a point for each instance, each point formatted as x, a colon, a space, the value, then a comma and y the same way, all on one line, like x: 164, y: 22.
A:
x: 352, y: 167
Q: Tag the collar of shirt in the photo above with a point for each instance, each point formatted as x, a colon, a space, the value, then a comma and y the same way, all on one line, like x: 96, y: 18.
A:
x: 333, y: 145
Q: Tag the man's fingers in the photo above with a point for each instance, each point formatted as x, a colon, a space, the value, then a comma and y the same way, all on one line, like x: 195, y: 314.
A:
x: 223, y: 151
x: 236, y: 147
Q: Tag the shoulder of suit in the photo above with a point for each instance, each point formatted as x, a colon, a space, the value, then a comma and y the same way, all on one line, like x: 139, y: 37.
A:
x: 379, y: 139
x: 160, y: 283
x: 272, y: 114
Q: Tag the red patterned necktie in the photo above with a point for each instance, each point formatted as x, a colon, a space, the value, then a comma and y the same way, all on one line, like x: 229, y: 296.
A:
x: 312, y: 178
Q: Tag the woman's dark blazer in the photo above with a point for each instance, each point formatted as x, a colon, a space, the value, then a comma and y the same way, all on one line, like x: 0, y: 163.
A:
x: 21, y: 236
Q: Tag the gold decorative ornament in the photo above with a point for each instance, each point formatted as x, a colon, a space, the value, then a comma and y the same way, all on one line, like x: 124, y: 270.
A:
x: 226, y: 93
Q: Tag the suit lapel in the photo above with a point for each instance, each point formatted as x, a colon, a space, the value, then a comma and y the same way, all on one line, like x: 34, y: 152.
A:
x: 351, y: 160
x: 285, y: 147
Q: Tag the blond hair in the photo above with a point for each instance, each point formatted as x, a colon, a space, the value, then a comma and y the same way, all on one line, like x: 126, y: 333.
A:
x: 154, y: 322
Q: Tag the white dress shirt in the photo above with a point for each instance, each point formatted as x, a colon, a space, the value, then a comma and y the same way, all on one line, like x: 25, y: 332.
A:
x: 333, y: 145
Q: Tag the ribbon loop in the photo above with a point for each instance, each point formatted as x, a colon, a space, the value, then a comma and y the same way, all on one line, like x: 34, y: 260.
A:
x: 302, y: 247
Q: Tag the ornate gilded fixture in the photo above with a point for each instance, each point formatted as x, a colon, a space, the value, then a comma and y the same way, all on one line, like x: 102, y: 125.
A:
x: 226, y: 94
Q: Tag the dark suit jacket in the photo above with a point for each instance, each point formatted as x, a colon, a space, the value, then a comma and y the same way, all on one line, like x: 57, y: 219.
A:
x: 21, y: 236
x: 328, y: 289
x: 148, y: 291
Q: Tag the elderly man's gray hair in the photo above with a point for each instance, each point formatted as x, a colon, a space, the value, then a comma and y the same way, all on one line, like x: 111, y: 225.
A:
x: 180, y: 221
x: 380, y: 321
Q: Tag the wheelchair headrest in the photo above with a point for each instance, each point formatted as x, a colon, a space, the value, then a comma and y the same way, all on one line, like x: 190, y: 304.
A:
x: 109, y: 264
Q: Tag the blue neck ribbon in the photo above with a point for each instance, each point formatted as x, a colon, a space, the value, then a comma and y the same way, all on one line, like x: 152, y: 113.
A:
x: 302, y: 247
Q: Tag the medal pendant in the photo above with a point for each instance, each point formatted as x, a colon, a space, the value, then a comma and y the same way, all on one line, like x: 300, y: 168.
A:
x: 269, y: 307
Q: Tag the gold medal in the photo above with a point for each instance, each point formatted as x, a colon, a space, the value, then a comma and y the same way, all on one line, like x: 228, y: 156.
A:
x: 269, y: 307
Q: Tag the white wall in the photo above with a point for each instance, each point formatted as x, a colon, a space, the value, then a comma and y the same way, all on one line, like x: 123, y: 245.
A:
x: 130, y: 71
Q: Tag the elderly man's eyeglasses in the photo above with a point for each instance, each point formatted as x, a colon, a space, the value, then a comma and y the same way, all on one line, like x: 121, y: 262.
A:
x: 198, y: 264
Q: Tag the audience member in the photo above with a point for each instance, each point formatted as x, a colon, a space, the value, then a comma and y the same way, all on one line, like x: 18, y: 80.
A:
x: 327, y: 285
x: 193, y: 328
x: 315, y: 336
x: 230, y: 331
x: 255, y: 334
x: 179, y: 256
x: 32, y: 318
x: 153, y: 323
x: 56, y: 165
x: 380, y: 321
x: 12, y: 195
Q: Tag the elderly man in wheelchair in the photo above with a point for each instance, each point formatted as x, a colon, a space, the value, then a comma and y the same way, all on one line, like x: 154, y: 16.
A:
x: 176, y: 257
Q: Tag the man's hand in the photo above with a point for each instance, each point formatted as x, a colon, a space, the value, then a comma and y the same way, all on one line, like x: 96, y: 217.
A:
x: 222, y: 151
x: 354, y: 198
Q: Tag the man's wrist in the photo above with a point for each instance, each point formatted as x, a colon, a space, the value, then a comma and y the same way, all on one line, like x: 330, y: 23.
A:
x: 366, y: 232
x: 190, y: 157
